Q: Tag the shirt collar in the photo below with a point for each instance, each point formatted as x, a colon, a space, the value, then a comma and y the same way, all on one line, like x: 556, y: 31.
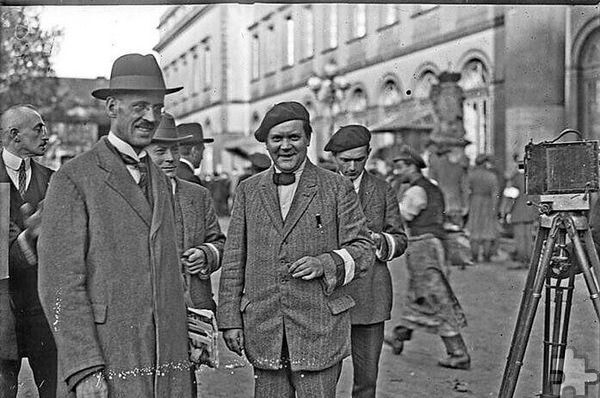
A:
x: 124, y: 147
x: 297, y: 173
x: 185, y: 161
x: 357, y: 181
x: 13, y: 161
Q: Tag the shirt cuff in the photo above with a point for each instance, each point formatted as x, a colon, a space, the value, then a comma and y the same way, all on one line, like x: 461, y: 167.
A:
x: 26, y: 248
x: 213, y: 256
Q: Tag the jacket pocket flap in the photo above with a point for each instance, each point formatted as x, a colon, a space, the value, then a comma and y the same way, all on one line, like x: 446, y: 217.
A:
x: 244, y: 303
x: 341, y: 304
x: 99, y: 312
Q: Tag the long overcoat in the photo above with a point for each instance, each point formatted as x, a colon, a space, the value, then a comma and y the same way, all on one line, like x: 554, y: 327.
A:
x: 109, y: 278
x: 257, y: 292
x: 373, y: 292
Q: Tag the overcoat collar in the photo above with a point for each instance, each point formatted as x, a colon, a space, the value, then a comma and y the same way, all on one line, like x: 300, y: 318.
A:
x: 119, y: 179
x: 305, y: 192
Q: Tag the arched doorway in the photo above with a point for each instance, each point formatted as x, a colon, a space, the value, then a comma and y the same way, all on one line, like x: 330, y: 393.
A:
x: 589, y: 87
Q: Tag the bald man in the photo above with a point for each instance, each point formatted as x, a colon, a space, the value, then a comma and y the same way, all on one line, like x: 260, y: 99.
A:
x: 24, y: 330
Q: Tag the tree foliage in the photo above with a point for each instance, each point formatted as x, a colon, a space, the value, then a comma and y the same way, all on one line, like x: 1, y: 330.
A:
x: 26, y: 73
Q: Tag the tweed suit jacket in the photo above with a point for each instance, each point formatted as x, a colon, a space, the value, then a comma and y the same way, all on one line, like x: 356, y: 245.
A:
x: 110, y: 280
x: 373, y: 292
x: 21, y: 296
x: 200, y: 229
x: 257, y: 292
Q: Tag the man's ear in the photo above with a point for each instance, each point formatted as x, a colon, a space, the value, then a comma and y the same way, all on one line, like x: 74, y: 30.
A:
x: 13, y: 134
x: 111, y: 107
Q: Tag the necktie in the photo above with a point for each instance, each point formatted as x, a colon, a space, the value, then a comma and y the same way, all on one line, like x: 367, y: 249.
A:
x: 22, y: 179
x: 284, y: 178
x: 142, y: 167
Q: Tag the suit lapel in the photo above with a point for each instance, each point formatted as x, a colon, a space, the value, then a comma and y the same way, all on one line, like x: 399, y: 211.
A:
x: 119, y: 179
x: 270, y: 199
x: 365, y: 190
x: 305, y: 192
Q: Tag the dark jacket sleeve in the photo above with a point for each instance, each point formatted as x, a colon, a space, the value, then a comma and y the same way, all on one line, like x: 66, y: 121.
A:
x: 394, y: 237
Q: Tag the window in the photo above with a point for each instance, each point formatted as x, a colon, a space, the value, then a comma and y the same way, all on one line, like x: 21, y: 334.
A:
x: 424, y: 83
x: 333, y: 25
x: 309, y: 44
x: 271, y: 53
x: 360, y: 20
x: 196, y: 72
x: 255, y: 57
x: 207, y: 66
x: 357, y: 101
x: 391, y: 93
x: 391, y: 14
x: 290, y: 44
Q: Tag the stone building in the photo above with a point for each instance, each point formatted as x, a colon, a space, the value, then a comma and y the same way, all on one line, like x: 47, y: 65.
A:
x: 527, y: 71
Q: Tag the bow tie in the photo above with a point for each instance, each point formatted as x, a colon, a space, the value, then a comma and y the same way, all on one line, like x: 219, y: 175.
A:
x: 284, y: 178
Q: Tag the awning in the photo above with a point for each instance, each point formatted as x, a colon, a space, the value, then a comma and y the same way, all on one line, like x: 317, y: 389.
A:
x: 245, y: 146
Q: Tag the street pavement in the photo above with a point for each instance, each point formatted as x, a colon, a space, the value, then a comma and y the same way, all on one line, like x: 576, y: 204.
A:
x: 490, y: 294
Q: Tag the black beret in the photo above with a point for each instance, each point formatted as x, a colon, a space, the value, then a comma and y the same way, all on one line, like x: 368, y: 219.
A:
x: 279, y: 113
x: 409, y: 155
x: 348, y: 137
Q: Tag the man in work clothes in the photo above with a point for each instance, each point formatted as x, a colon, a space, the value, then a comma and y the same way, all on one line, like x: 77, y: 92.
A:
x: 297, y: 235
x: 373, y: 292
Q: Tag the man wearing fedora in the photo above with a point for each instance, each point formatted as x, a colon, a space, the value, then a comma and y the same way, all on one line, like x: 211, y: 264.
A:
x: 191, y: 151
x: 109, y: 275
x: 24, y: 330
x: 199, y: 237
x: 431, y: 305
x: 296, y: 237
x: 350, y: 147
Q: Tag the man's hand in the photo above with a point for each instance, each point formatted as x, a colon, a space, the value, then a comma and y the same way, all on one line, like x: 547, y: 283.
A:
x: 195, y: 261
x: 306, y: 268
x: 377, y: 239
x: 234, y: 339
x: 93, y: 386
x: 32, y: 220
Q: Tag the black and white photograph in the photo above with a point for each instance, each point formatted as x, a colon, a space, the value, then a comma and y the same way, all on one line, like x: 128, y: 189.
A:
x: 311, y: 200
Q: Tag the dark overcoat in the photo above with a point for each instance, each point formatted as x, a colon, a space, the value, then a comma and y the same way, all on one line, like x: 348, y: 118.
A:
x: 200, y: 227
x: 109, y: 277
x: 22, y: 301
x: 258, y: 294
x: 373, y: 292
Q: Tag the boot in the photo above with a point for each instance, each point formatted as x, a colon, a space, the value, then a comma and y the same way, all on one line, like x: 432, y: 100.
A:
x: 396, y: 341
x: 458, y: 357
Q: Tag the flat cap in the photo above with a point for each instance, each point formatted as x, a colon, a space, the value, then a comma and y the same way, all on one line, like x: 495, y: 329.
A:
x: 348, y: 137
x: 409, y: 155
x: 279, y: 113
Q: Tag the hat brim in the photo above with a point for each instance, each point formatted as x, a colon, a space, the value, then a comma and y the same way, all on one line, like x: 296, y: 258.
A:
x: 104, y: 93
x: 193, y: 140
x: 170, y: 140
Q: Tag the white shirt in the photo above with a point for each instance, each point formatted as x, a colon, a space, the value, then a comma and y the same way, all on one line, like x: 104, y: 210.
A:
x: 287, y: 192
x: 413, y: 202
x: 357, y: 181
x: 127, y: 149
x: 13, y: 163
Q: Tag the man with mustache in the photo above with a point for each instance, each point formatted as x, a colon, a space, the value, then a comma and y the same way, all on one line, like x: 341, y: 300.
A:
x: 350, y: 147
x: 110, y: 280
x: 296, y: 237
x: 24, y: 330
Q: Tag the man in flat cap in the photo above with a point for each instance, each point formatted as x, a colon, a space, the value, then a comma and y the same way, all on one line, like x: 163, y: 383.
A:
x: 350, y: 147
x: 431, y: 304
x: 199, y: 237
x: 191, y: 151
x: 109, y: 275
x: 297, y: 236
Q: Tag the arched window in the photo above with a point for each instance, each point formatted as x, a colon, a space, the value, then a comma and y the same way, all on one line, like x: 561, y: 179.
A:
x: 474, y: 76
x: 424, y: 83
x: 476, y: 108
x: 390, y: 93
x: 357, y: 102
x: 589, y: 87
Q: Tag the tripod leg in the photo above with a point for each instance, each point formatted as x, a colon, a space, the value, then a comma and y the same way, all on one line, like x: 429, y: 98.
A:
x: 531, y: 296
x: 588, y: 273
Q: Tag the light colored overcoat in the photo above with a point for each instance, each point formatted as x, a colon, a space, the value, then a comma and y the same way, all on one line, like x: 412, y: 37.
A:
x: 373, y: 292
x: 258, y: 294
x: 109, y: 278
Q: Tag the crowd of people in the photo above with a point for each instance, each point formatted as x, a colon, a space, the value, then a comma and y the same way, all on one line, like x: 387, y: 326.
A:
x: 108, y: 253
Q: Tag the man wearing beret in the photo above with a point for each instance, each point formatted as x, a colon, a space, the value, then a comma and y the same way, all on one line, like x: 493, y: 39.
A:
x: 297, y: 236
x: 431, y: 303
x: 109, y: 275
x: 192, y: 151
x: 372, y: 293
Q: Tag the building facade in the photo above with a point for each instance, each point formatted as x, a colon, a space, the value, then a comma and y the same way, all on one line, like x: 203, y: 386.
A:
x: 527, y: 71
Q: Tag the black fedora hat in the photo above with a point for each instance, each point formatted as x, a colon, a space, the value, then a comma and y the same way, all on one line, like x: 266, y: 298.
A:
x: 166, y: 132
x: 134, y: 72
x: 194, y: 131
